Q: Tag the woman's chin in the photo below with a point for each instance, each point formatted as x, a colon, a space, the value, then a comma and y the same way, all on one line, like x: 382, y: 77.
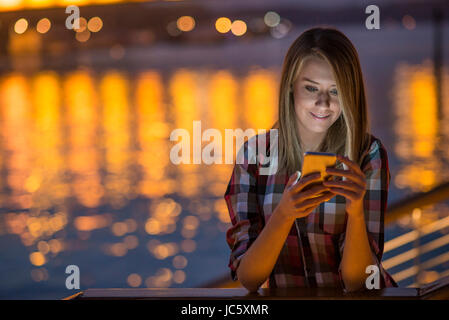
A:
x: 319, y: 129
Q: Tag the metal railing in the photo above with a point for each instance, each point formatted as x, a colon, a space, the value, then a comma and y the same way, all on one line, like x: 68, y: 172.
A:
x: 431, y: 248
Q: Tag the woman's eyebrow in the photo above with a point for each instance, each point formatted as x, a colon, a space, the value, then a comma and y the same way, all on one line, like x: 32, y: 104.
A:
x: 307, y: 79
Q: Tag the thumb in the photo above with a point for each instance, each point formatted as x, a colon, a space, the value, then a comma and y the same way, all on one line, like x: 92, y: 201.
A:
x: 293, y: 179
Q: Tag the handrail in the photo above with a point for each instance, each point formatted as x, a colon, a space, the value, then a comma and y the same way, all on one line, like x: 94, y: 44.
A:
x: 413, y: 253
x: 404, y: 274
x: 394, y: 212
x: 413, y: 235
x: 417, y: 200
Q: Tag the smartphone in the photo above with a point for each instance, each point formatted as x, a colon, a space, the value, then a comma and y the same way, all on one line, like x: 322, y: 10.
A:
x: 318, y: 162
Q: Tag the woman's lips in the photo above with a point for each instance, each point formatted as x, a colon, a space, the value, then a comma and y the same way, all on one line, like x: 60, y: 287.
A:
x: 318, y: 118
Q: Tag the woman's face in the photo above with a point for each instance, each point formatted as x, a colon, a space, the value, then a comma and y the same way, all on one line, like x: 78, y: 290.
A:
x: 315, y: 97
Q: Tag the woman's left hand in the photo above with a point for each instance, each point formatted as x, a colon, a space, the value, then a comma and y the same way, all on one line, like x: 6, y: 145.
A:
x: 352, y: 189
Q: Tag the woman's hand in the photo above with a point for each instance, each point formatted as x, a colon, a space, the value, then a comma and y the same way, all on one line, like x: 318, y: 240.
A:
x: 353, y: 189
x: 297, y: 202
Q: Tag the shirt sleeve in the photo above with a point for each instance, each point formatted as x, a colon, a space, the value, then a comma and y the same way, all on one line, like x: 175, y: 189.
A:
x: 375, y: 167
x: 246, y: 218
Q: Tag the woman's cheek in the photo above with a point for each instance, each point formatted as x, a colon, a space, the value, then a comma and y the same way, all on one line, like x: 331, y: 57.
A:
x: 306, y: 99
x: 335, y: 106
x: 300, y: 102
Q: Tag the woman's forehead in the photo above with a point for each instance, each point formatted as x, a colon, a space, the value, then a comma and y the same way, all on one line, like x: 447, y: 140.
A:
x: 317, y: 70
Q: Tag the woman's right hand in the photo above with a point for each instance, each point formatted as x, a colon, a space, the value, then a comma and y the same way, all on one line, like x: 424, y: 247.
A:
x: 296, y: 202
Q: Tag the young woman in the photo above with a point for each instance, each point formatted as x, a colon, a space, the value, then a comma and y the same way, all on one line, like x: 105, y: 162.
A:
x: 286, y: 234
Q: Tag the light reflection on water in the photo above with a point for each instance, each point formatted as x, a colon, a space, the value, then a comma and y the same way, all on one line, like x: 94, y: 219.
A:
x: 87, y: 171
x: 422, y: 138
x: 87, y: 179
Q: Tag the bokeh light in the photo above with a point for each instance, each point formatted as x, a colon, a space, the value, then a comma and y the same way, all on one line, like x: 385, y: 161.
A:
x: 119, y: 229
x: 21, y: 26
x: 271, y: 19
x: 131, y: 242
x: 118, y: 249
x: 43, y: 25
x: 409, y: 22
x: 43, y: 247
x: 223, y: 24
x: 83, y: 36
x: 238, y: 27
x: 134, y: 280
x: 95, y: 24
x: 37, y: 258
x: 179, y: 262
x: 185, y: 23
x: 82, y: 24
x: 179, y: 276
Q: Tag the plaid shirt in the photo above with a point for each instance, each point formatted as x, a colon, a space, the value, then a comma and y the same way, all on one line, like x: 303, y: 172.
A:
x: 311, y: 254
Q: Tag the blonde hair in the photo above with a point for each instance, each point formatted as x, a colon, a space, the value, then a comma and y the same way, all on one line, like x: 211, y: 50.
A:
x: 348, y: 135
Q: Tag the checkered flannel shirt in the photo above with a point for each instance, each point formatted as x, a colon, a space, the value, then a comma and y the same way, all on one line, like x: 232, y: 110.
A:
x: 311, y: 254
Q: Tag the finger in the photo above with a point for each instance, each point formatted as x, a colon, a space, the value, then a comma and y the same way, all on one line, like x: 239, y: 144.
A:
x: 348, y: 174
x: 348, y: 185
x: 318, y: 200
x: 307, y: 210
x: 314, y: 201
x: 313, y: 191
x: 305, y: 181
x: 293, y: 179
x: 345, y: 193
x: 349, y: 163
x: 305, y: 213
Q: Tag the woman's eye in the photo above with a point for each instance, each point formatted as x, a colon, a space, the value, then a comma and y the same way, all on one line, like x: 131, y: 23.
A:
x: 311, y: 89
x: 334, y: 92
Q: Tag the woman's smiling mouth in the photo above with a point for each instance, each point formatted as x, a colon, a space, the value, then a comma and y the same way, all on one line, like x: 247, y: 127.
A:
x: 319, y: 117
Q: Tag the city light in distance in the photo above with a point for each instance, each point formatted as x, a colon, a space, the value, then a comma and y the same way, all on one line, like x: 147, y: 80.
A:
x: 43, y: 25
x: 185, y: 23
x: 238, y: 27
x: 21, y: 26
x: 223, y: 24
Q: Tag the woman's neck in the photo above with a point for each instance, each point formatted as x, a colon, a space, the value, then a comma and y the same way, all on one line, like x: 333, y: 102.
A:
x: 310, y: 141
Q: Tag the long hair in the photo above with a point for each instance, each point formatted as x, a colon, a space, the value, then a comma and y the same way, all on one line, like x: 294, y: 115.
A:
x: 348, y: 135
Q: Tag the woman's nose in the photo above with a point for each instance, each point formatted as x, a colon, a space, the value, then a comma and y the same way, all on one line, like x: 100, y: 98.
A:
x: 323, y: 98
